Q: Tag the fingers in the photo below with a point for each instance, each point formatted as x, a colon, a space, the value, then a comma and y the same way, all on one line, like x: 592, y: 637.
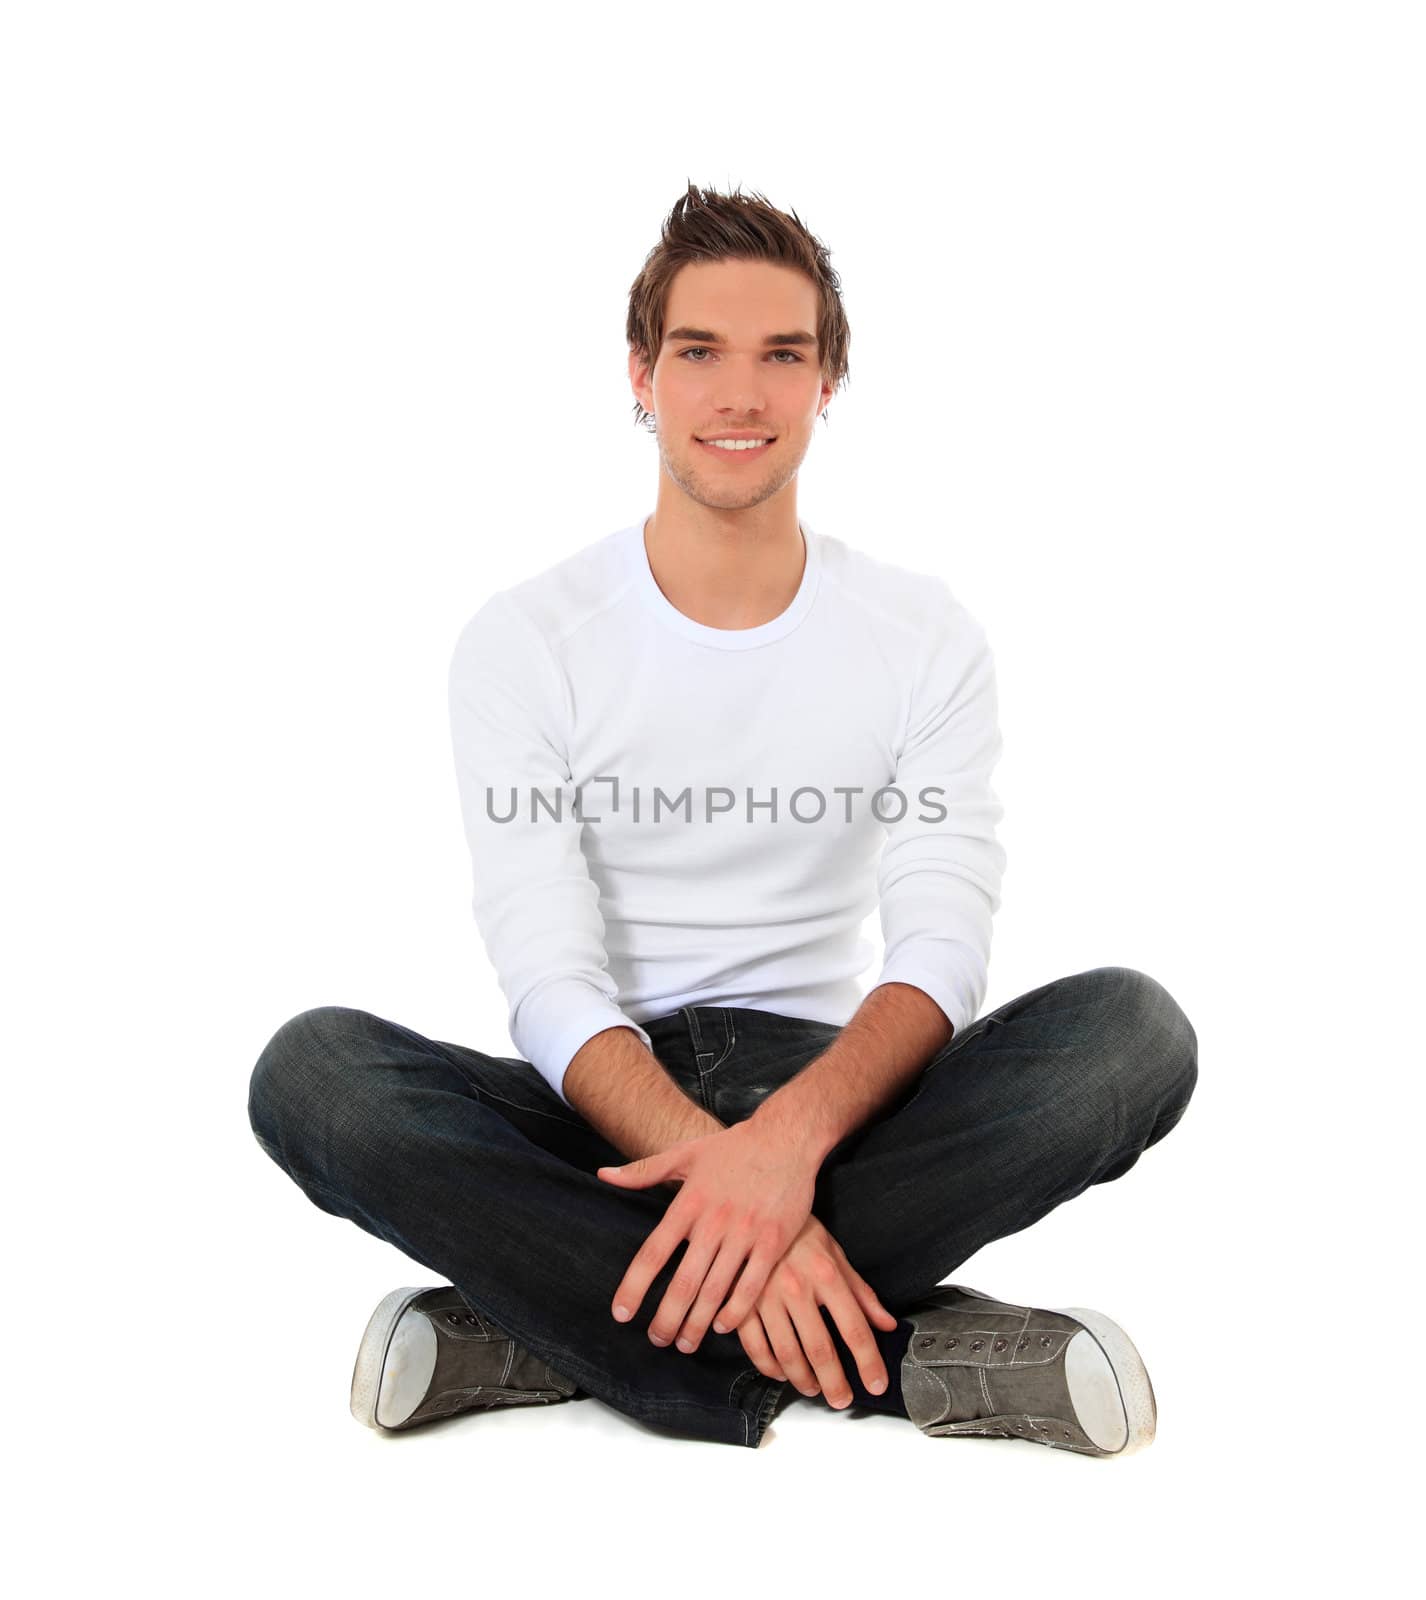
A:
x: 683, y: 1286
x: 867, y: 1297
x: 648, y: 1262
x: 645, y: 1171
x: 760, y: 1264
x: 842, y: 1302
x: 710, y: 1296
x: 754, y: 1340
x: 816, y: 1340
x: 786, y: 1346
x: 802, y: 1344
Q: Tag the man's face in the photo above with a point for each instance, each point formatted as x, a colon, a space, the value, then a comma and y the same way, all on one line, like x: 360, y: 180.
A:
x: 716, y: 374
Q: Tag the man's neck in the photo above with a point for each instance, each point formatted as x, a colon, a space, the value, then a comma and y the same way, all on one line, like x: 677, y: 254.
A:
x: 726, y: 576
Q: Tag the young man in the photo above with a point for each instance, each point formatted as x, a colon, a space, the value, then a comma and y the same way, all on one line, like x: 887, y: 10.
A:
x: 692, y: 757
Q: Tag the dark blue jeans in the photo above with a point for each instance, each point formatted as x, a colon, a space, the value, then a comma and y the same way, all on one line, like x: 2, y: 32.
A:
x: 474, y: 1167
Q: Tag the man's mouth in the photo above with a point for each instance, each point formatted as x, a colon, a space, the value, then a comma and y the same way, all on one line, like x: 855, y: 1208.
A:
x: 737, y: 449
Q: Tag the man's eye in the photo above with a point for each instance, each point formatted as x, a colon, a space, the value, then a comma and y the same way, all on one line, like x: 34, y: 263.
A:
x: 701, y: 349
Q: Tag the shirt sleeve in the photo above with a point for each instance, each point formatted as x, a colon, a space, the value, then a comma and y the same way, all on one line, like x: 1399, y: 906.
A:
x: 939, y: 880
x: 536, y: 906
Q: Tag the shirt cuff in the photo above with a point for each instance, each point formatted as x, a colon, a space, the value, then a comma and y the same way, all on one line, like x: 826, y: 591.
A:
x: 557, y: 1019
x: 954, y: 992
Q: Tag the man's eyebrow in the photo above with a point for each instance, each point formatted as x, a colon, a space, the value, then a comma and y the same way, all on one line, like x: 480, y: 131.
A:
x: 705, y: 336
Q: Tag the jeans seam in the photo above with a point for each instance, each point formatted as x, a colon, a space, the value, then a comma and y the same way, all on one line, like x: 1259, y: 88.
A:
x: 705, y: 1099
x: 763, y: 1416
x: 473, y: 1079
x: 481, y: 1092
x: 695, y: 1033
x: 732, y: 1036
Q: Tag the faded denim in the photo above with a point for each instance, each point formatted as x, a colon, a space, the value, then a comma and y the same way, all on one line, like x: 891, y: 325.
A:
x: 471, y: 1165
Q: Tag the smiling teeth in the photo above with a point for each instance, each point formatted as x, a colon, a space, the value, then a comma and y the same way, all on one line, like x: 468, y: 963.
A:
x: 736, y: 444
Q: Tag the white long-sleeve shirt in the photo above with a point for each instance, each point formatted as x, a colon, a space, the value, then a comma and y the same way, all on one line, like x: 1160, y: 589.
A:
x: 706, y: 816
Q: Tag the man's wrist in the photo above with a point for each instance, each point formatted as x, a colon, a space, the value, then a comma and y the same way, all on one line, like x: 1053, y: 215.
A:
x: 792, y: 1122
x: 626, y: 1095
x: 896, y: 1031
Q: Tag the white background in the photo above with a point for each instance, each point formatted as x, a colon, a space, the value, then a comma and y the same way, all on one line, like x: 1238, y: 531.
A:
x: 313, y: 337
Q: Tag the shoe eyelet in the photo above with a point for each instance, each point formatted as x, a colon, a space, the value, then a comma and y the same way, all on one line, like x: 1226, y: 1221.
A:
x: 1045, y: 1340
x: 1023, y: 1343
x: 1000, y: 1344
x: 952, y: 1343
x: 927, y: 1341
x: 975, y: 1344
x: 453, y: 1317
x: 473, y: 1321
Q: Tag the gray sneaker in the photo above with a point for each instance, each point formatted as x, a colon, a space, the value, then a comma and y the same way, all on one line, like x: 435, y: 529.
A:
x: 427, y: 1354
x: 1068, y: 1378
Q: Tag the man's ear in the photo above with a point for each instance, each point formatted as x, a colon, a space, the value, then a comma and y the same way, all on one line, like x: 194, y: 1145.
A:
x: 639, y: 375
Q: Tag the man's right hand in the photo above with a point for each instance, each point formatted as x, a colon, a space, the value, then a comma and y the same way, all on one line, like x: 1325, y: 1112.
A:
x: 785, y: 1335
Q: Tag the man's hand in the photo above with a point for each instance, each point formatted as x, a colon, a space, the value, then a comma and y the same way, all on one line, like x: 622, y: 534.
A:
x: 813, y: 1273
x: 744, y: 1196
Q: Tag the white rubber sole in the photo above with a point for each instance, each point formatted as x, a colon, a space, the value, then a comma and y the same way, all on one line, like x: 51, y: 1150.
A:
x: 394, y: 1363
x: 1108, y: 1384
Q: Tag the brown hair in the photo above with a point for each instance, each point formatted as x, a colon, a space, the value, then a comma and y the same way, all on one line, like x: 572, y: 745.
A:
x: 707, y: 226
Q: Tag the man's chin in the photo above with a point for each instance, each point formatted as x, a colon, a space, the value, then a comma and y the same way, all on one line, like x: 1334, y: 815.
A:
x: 720, y: 496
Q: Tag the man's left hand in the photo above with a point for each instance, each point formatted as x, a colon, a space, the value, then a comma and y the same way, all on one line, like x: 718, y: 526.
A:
x: 744, y: 1195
